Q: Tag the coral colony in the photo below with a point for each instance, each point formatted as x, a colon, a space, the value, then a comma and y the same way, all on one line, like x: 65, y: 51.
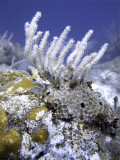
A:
x: 46, y: 61
x: 68, y: 80
x: 63, y: 119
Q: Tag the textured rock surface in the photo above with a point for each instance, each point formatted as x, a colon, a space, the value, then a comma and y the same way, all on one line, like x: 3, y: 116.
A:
x: 81, y: 102
x: 95, y: 136
x: 108, y: 81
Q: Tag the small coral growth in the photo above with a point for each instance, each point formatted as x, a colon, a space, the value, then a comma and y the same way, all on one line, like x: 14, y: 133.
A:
x: 10, y: 142
x: 20, y: 85
x: 3, y: 118
x: 41, y: 136
x: 37, y: 113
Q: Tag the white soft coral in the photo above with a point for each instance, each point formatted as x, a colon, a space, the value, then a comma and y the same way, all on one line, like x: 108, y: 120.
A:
x: 50, y: 61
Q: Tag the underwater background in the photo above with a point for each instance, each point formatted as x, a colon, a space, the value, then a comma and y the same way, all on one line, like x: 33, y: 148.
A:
x: 103, y: 16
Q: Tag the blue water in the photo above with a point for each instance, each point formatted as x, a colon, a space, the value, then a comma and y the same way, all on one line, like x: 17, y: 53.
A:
x: 103, y: 16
